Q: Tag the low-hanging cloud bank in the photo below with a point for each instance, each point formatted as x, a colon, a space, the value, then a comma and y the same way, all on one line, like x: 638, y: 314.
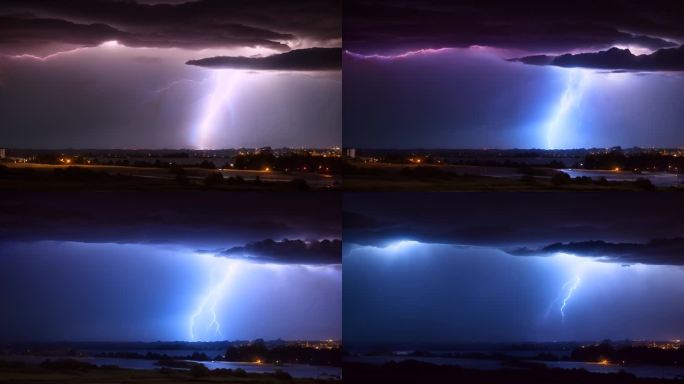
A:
x: 309, y: 59
x: 656, y: 251
x: 289, y: 251
x: 667, y: 59
x: 376, y: 26
x: 619, y: 228
x: 42, y: 27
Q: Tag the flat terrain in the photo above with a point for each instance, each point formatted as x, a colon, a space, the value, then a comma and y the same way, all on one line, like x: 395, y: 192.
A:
x: 403, y: 177
x: 20, y: 373
x: 420, y: 372
x: 106, y: 177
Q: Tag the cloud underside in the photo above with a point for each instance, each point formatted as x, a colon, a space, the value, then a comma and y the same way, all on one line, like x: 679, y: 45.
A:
x: 39, y: 27
x: 587, y: 225
x: 195, y: 220
x: 311, y: 59
x: 657, y: 251
x: 529, y: 25
x: 288, y: 252
x: 668, y: 59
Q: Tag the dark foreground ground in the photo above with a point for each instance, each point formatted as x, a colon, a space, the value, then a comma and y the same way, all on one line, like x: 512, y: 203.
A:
x: 432, y: 177
x: 412, y: 371
x: 70, y: 371
x: 26, y: 176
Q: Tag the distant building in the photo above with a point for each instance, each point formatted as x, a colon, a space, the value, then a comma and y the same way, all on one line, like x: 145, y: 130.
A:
x: 350, y: 153
x: 2, y: 153
x: 264, y: 151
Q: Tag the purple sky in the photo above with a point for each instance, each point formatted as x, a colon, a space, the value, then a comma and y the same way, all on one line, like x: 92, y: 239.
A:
x: 472, y: 74
x: 113, y: 74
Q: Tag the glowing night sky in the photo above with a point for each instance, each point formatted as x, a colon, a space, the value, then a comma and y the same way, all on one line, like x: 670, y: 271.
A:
x: 531, y: 267
x: 99, y: 267
x: 471, y: 74
x: 115, y: 74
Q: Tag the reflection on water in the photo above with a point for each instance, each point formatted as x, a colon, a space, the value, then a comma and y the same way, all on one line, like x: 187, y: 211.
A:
x: 660, y: 179
x: 295, y: 370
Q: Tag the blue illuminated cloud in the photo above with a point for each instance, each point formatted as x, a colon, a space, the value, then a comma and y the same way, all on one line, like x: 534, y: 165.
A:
x: 656, y: 251
x: 288, y: 251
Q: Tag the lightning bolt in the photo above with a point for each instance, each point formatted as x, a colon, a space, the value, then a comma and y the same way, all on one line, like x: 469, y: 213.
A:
x: 106, y: 44
x: 570, y: 99
x: 573, y: 284
x: 223, y: 84
x: 398, y: 56
x: 566, y: 292
x: 209, y: 304
x: 176, y: 83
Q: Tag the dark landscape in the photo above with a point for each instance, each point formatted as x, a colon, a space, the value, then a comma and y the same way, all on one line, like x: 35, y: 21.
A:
x: 241, y: 169
x: 633, y: 169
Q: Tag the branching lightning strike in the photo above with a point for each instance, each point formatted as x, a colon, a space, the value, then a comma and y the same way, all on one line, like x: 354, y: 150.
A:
x: 397, y: 56
x: 573, y: 285
x: 557, y: 125
x: 208, y: 305
x: 223, y: 86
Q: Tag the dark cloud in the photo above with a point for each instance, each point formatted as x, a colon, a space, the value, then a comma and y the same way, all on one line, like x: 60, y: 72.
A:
x: 354, y: 220
x: 537, y: 26
x: 194, y: 219
x: 309, y: 59
x: 35, y: 26
x: 20, y: 35
x: 521, y: 220
x: 289, y: 251
x: 657, y: 251
x: 667, y: 59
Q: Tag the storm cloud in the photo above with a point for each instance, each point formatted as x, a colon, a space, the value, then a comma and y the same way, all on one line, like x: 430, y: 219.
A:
x: 534, y: 26
x: 192, y: 219
x: 289, y: 251
x: 587, y: 225
x: 668, y: 59
x: 309, y: 59
x: 39, y: 28
x: 656, y: 251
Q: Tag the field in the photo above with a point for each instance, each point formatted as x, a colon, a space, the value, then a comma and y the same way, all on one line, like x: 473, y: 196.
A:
x: 108, y: 177
x: 68, y: 373
x: 401, y: 177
